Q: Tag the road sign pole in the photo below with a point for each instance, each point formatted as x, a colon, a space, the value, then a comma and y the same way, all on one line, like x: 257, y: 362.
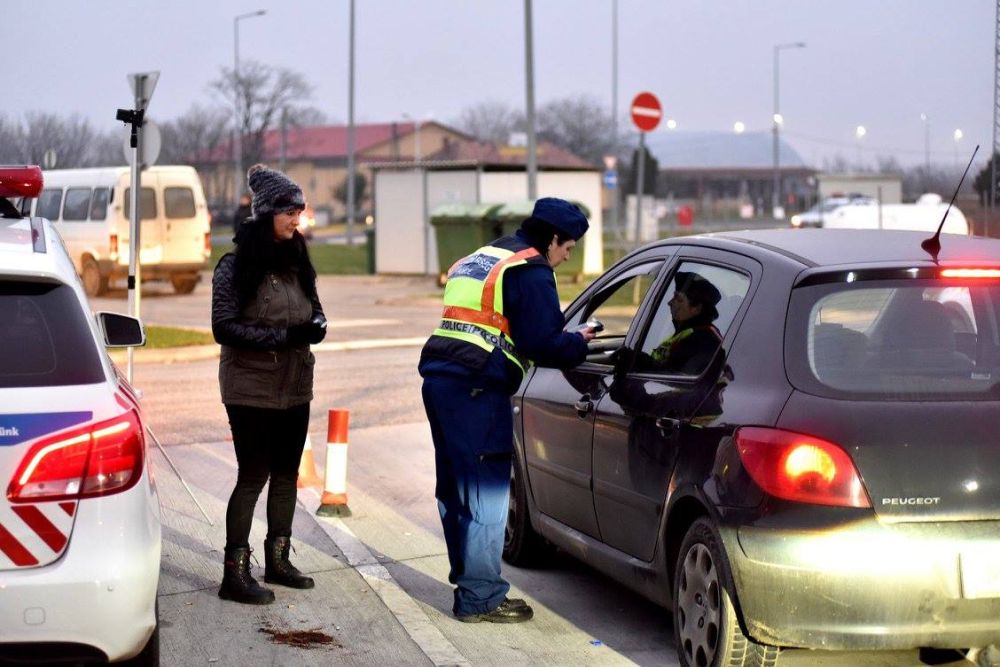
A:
x: 640, y: 177
x: 133, y: 220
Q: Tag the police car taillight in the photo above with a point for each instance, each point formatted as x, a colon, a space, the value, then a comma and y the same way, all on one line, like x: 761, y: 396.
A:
x: 94, y: 460
x: 20, y: 181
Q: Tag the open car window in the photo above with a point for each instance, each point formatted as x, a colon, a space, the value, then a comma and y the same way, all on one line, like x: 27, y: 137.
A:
x: 616, y: 306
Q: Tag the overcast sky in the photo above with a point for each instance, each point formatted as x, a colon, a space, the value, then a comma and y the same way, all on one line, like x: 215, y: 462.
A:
x: 878, y: 63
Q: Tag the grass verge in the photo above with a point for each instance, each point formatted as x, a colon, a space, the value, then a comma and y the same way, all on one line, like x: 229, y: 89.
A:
x: 328, y: 259
x: 158, y: 337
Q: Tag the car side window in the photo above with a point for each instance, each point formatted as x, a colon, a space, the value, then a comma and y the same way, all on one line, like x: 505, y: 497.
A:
x: 77, y: 204
x: 49, y: 203
x: 694, y: 314
x: 616, y: 305
x: 99, y: 204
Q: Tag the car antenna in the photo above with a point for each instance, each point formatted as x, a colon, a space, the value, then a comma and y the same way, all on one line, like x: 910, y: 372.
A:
x: 933, y: 245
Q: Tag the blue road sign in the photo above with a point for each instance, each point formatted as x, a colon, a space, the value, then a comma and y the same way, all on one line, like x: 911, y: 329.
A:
x: 610, y: 180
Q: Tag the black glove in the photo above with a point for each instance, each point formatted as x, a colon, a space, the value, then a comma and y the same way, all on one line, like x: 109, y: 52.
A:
x: 310, y: 332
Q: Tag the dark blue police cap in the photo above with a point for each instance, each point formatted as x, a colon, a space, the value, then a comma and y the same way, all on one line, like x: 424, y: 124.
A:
x: 563, y: 215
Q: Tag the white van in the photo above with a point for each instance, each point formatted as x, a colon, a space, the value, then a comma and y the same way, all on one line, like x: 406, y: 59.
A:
x: 90, y: 210
x: 924, y: 216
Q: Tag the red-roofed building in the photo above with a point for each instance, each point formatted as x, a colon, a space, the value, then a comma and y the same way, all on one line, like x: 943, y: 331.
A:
x: 316, y: 158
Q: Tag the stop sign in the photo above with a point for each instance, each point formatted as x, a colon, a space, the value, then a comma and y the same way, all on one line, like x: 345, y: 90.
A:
x: 646, y: 111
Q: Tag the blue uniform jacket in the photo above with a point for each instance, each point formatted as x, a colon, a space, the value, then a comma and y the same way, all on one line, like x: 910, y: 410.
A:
x: 531, y: 305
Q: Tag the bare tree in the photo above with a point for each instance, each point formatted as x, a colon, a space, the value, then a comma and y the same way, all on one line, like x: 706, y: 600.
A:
x: 9, y: 152
x: 491, y: 121
x: 194, y: 137
x: 581, y: 125
x: 72, y: 139
x: 263, y: 91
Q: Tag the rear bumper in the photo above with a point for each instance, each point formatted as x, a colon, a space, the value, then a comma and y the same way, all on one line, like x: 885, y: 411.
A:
x: 102, y: 591
x: 160, y: 271
x: 870, y: 585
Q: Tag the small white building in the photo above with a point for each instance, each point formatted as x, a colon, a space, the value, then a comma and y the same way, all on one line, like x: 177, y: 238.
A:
x: 406, y: 193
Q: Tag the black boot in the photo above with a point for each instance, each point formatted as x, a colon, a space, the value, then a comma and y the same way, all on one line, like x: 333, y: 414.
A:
x: 277, y: 569
x: 237, y: 584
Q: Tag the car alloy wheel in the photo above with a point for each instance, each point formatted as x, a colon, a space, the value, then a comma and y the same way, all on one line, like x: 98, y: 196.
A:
x: 522, y: 546
x: 706, y: 627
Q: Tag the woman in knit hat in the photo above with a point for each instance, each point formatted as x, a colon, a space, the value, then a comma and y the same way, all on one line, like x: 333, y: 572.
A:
x: 265, y: 314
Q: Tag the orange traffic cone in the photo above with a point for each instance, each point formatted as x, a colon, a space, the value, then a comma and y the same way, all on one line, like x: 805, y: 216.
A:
x: 307, y: 467
x: 334, y: 499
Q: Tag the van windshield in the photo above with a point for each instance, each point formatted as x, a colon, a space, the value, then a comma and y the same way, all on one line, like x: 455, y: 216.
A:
x: 902, y: 340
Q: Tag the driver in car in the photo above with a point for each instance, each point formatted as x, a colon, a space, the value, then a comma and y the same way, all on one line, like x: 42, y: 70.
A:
x: 695, y: 339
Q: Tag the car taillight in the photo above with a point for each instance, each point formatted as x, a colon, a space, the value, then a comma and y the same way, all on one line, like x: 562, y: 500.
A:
x: 800, y: 467
x: 113, y: 247
x: 970, y: 273
x: 94, y: 460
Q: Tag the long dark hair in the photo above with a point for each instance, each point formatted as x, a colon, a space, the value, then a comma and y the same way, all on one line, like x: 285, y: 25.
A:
x: 257, y: 253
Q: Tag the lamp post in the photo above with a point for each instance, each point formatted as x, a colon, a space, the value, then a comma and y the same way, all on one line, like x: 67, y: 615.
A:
x: 739, y: 127
x: 237, y: 125
x: 776, y: 125
x: 957, y: 136
x: 859, y: 134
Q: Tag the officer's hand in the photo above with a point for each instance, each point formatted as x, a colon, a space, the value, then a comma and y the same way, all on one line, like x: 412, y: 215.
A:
x: 317, y: 329
x: 588, y: 333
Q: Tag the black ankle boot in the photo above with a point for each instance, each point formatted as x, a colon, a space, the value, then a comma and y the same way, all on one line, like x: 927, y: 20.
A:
x: 277, y: 569
x: 237, y: 584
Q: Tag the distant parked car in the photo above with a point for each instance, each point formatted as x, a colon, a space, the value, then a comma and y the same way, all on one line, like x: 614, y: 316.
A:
x: 821, y: 470
x: 80, y: 516
x: 818, y: 214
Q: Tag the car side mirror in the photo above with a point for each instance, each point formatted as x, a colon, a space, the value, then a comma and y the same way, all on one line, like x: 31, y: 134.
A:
x: 121, y: 330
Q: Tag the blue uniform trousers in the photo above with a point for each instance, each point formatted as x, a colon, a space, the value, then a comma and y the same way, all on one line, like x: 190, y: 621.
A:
x: 473, y: 432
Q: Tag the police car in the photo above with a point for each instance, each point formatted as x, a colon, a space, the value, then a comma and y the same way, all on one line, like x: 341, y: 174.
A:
x: 80, y: 517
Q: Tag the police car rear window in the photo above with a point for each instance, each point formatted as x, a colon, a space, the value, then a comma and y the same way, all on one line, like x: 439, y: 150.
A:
x: 896, y: 340
x: 45, y: 338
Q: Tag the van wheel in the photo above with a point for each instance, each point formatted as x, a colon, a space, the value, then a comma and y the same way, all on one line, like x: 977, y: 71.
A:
x: 522, y: 546
x: 94, y: 284
x: 184, y: 284
x: 706, y: 627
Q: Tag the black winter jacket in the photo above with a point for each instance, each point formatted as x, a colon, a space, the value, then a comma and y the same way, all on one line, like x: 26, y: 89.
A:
x: 257, y: 366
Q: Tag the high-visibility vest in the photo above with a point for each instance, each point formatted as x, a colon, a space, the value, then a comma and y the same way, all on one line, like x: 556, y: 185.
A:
x: 473, y: 297
x: 663, y: 350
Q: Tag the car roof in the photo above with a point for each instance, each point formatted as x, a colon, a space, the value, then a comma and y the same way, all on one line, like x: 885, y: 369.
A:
x: 839, y: 247
x: 25, y: 249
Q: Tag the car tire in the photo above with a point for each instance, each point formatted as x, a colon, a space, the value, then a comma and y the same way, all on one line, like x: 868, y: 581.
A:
x: 94, y: 284
x: 150, y: 654
x: 184, y: 283
x: 522, y: 546
x: 706, y: 627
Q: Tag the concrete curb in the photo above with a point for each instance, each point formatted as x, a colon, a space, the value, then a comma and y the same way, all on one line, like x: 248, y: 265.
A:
x: 198, y: 352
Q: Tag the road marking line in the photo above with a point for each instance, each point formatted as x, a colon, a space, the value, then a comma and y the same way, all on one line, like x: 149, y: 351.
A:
x: 438, y: 648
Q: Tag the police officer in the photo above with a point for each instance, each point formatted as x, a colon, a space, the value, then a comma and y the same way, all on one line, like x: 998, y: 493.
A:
x: 501, y: 313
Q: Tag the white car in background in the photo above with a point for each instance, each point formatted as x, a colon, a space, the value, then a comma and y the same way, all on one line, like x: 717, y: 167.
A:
x: 80, y: 516
x: 820, y: 213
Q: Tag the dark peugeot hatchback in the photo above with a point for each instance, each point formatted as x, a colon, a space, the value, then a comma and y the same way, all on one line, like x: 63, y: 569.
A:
x: 811, y: 459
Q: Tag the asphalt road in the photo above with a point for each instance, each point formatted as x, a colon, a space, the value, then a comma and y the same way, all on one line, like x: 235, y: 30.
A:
x: 381, y: 594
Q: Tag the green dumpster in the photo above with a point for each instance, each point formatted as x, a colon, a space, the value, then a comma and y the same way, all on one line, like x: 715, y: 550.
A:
x: 460, y: 229
x: 512, y: 214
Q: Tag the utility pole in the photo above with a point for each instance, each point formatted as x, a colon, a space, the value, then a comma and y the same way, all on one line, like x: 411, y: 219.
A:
x: 350, y: 132
x: 996, y: 122
x: 614, y: 113
x: 530, y: 111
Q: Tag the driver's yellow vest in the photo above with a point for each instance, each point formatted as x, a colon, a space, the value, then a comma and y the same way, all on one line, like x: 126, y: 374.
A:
x: 473, y: 300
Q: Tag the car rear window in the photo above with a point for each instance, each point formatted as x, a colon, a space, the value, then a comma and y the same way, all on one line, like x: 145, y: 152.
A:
x: 45, y: 337
x: 898, y: 340
x: 178, y: 202
x: 147, y: 205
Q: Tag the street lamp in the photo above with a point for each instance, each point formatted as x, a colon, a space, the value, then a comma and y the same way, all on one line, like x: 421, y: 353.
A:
x: 237, y: 126
x: 859, y: 133
x: 957, y: 135
x: 927, y: 143
x: 776, y: 125
x: 739, y: 127
x: 671, y: 124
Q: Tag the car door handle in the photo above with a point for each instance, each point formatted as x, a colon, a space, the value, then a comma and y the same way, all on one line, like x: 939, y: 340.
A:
x: 584, y: 406
x: 667, y: 426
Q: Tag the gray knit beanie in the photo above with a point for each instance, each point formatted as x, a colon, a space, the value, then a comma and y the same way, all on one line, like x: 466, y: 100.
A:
x: 273, y: 191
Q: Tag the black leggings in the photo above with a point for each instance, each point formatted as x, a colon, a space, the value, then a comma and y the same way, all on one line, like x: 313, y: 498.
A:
x: 268, y: 443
